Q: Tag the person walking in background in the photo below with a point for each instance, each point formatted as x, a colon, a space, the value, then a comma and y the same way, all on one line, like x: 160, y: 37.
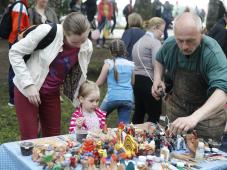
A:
x: 219, y: 33
x: 127, y: 11
x: 41, y: 13
x: 135, y: 32
x: 105, y: 12
x: 118, y: 73
x: 75, y: 6
x: 115, y: 11
x: 167, y: 16
x: 38, y: 81
x: 157, y: 8
x: 20, y: 21
x: 143, y: 53
x: 91, y: 9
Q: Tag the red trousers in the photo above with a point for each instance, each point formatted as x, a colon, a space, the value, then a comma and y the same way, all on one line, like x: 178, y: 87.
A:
x: 28, y: 115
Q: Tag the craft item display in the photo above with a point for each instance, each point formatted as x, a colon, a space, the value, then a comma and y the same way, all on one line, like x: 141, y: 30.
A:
x: 143, y: 146
x: 26, y: 148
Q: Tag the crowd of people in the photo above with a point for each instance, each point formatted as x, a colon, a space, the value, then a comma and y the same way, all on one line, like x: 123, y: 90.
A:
x: 135, y: 73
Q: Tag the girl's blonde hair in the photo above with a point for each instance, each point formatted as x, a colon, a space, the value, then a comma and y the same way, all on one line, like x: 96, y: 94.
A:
x: 135, y: 20
x: 155, y: 22
x: 75, y: 23
x: 117, y: 49
x: 87, y: 88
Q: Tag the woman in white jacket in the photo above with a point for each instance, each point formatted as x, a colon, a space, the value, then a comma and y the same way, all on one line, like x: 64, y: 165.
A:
x: 37, y: 82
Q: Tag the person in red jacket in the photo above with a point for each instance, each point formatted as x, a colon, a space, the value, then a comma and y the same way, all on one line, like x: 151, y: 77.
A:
x: 105, y: 13
x: 19, y: 16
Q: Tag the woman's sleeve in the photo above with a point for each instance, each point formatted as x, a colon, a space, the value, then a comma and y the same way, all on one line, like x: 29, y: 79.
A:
x: 23, y: 47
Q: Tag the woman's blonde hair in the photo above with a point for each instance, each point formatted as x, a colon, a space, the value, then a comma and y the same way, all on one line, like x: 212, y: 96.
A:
x: 155, y: 22
x: 117, y: 49
x: 87, y: 88
x: 75, y: 23
x: 135, y: 20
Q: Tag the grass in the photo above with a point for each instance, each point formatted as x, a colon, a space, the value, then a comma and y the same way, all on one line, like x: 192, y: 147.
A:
x: 8, y: 120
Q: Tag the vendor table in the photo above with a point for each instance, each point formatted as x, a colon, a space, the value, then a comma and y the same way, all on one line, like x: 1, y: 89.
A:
x: 11, y: 159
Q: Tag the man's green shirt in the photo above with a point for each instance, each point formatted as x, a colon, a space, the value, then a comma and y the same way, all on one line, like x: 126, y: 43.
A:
x: 213, y: 62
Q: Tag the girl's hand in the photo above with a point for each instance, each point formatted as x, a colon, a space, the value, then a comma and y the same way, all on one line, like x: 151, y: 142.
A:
x: 80, y: 121
x: 33, y: 95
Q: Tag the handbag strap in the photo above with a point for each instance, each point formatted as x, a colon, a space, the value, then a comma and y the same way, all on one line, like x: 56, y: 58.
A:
x: 19, y: 19
x: 138, y: 54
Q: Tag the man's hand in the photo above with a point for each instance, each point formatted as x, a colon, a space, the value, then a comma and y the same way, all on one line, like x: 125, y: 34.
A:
x: 33, y: 95
x: 183, y: 124
x: 157, y: 89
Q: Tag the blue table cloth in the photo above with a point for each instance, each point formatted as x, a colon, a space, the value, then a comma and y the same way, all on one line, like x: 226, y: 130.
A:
x: 11, y: 159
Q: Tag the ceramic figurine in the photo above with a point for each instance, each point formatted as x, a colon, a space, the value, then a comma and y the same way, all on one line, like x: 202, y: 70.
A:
x: 121, y: 126
x: 102, y: 164
x: 50, y: 165
x: 91, y: 163
x: 84, y: 164
x: 105, y: 129
x: 47, y: 158
x: 180, y: 143
x: 73, y: 161
x: 122, y: 164
x: 130, y: 166
x: 192, y: 142
x: 165, y: 153
x: 113, y: 163
x: 130, y: 145
x: 57, y: 167
x: 131, y: 130
x: 88, y: 145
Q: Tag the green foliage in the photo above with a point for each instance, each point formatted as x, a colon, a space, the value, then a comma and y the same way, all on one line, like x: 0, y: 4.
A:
x: 144, y: 8
x: 3, y: 5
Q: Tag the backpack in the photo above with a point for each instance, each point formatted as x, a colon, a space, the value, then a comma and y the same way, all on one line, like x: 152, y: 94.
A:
x: 125, y: 10
x: 47, y: 40
x: 6, y: 21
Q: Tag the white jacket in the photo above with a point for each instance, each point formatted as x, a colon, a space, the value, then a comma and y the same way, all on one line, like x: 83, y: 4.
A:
x: 37, y: 67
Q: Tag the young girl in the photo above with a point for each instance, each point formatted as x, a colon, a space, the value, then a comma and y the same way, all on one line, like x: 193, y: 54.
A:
x: 88, y: 116
x: 119, y: 75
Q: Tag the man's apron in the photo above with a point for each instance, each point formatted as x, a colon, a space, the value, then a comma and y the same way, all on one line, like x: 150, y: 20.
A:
x: 190, y: 93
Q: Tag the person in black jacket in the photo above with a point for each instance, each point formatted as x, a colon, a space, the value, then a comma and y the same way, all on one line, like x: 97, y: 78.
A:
x: 219, y: 32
